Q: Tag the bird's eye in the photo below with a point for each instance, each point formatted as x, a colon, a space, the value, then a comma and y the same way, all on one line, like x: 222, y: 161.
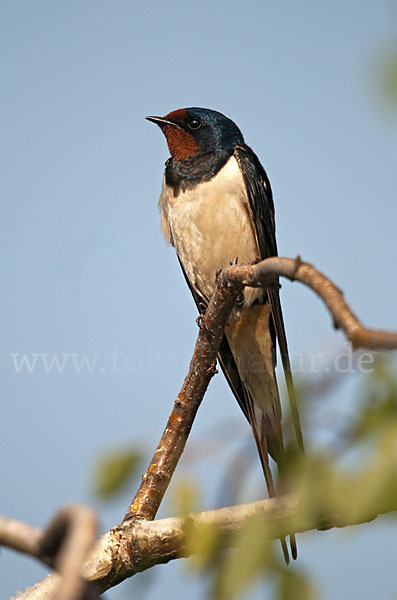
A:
x: 194, y: 123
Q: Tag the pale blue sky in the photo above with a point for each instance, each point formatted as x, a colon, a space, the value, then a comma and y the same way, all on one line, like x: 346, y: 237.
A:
x: 84, y: 264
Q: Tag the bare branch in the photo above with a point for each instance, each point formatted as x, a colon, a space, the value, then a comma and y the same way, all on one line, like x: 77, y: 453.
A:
x: 20, y: 536
x: 139, y: 543
x: 136, y: 545
x: 46, y: 589
x: 69, y: 538
x: 267, y: 271
x: 65, y: 543
x: 202, y: 368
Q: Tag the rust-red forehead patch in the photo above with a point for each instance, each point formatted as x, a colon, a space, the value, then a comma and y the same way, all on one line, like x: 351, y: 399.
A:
x: 181, y: 143
x: 177, y: 115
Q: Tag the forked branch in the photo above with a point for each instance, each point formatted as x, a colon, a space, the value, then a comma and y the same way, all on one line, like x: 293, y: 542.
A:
x: 137, y: 544
x: 202, y: 367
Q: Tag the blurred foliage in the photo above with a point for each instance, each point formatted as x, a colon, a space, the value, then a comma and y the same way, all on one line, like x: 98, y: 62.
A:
x: 327, y: 493
x: 388, y: 77
x: 251, y: 556
x: 294, y: 585
x: 115, y: 471
x: 379, y: 407
x: 185, y: 496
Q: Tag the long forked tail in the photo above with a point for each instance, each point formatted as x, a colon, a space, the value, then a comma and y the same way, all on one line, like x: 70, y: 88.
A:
x: 263, y: 451
x: 283, y: 346
x: 251, y: 342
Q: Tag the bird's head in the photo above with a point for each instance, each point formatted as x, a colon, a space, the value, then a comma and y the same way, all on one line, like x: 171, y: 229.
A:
x: 192, y: 132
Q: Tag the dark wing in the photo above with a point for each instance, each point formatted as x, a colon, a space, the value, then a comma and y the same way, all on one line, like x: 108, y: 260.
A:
x: 262, y: 211
x: 261, y: 204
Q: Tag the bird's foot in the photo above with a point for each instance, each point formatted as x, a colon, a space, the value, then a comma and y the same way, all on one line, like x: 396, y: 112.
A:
x: 212, y: 370
x: 203, y: 325
x: 202, y: 306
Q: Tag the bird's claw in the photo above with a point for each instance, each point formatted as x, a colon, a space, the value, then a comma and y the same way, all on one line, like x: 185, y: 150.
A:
x: 212, y: 370
x: 202, y: 307
x: 203, y: 325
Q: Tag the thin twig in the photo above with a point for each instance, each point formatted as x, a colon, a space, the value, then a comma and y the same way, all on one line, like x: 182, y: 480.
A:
x: 264, y: 274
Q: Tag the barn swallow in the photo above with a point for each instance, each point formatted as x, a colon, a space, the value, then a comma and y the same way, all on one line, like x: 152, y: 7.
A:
x: 217, y: 206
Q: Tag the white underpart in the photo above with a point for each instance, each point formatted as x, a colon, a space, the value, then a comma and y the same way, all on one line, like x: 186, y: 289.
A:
x: 210, y: 226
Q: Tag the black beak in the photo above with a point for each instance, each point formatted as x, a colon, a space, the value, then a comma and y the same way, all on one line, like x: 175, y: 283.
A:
x: 162, y: 121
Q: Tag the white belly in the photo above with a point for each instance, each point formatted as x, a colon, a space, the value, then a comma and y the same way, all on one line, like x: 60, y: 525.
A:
x: 210, y: 227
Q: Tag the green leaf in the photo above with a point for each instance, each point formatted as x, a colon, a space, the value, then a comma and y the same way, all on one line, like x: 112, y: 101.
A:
x: 185, y: 496
x: 114, y: 471
x: 388, y: 77
x: 247, y: 561
x: 379, y: 409
x: 203, y: 542
x: 294, y: 585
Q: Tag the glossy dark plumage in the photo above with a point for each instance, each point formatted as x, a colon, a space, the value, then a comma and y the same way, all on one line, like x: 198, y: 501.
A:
x: 202, y: 143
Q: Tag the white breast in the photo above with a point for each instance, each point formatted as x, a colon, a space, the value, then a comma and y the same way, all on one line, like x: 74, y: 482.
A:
x: 210, y: 226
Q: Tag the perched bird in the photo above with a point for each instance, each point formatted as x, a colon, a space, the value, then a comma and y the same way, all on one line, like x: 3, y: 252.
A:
x: 217, y: 206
